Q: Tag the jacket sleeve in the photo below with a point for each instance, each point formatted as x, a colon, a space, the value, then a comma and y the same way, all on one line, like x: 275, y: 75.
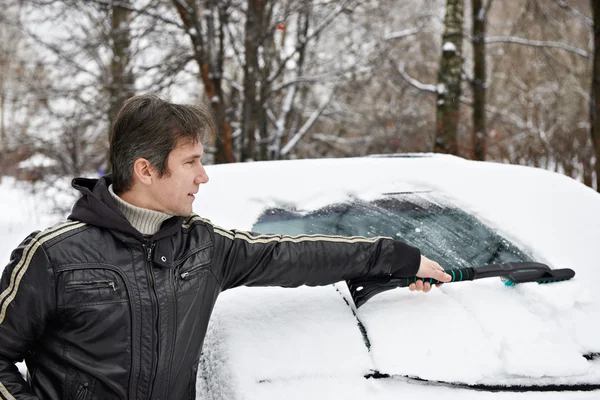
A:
x: 245, y: 258
x: 26, y: 296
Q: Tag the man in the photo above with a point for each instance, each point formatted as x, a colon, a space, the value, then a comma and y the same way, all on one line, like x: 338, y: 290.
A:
x: 114, y: 303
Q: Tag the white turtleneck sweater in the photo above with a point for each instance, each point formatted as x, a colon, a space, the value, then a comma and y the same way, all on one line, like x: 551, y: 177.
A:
x: 146, y: 221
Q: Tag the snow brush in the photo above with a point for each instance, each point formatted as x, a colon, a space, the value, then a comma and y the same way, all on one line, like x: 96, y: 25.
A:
x: 362, y: 289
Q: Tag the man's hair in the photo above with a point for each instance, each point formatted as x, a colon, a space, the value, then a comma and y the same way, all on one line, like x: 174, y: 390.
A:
x: 150, y: 127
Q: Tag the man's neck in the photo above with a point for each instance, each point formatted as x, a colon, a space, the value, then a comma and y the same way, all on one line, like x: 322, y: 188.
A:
x: 143, y: 219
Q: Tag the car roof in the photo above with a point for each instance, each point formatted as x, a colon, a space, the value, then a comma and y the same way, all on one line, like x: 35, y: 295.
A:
x: 273, y: 340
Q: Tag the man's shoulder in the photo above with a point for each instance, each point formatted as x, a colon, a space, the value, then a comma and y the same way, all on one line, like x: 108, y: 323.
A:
x: 194, y: 220
x: 44, y: 239
x: 58, y: 232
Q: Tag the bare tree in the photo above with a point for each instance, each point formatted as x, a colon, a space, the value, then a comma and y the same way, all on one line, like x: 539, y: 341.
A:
x: 479, y: 82
x: 259, y: 115
x: 122, y: 86
x: 90, y: 61
x: 205, y: 26
x: 595, y: 92
x: 450, y: 78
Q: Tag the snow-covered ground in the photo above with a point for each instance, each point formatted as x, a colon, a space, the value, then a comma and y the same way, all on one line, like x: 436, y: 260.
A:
x: 274, y: 343
x: 22, y: 211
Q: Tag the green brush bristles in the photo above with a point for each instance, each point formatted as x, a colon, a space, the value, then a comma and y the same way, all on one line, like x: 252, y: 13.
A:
x: 552, y: 281
x: 508, y: 282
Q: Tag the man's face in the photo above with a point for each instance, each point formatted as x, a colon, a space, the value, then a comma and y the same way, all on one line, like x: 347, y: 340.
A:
x: 174, y: 192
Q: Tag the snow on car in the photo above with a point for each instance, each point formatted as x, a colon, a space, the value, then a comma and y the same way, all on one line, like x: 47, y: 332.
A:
x: 463, y: 339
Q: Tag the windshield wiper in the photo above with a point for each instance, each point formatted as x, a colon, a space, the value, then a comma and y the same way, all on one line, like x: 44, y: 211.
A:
x: 490, y: 387
x: 362, y: 289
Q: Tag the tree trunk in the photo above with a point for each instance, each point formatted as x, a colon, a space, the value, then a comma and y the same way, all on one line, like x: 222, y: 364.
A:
x: 2, y: 129
x: 449, y: 79
x: 251, y: 107
x: 211, y: 73
x: 479, y: 80
x: 595, y: 93
x: 122, y: 80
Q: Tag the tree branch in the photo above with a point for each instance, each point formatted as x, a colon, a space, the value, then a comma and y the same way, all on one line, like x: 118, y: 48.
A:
x: 338, y: 10
x: 537, y: 43
x: 413, y: 82
x: 575, y: 12
x: 308, y: 124
x: 129, y: 7
x: 402, y: 34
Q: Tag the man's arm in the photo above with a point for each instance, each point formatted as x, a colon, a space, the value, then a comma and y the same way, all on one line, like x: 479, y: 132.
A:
x: 244, y: 258
x: 26, y: 296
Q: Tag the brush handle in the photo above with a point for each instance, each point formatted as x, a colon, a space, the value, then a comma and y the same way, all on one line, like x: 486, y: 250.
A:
x: 458, y: 275
x: 363, y: 289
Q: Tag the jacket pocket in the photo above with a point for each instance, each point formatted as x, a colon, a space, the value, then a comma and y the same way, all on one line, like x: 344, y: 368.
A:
x: 189, y: 273
x: 77, y: 287
x: 189, y: 269
x: 90, y: 285
x: 193, y: 378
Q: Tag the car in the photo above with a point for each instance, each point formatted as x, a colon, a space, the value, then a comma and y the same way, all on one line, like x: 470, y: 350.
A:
x: 461, y: 340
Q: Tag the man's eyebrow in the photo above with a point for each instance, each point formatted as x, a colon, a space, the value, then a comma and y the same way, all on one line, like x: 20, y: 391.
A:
x: 194, y: 156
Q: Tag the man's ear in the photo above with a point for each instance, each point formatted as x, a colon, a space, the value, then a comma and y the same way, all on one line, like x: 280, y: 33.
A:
x: 143, y: 171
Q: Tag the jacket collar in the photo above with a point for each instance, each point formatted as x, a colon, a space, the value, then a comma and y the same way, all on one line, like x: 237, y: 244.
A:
x: 97, y: 207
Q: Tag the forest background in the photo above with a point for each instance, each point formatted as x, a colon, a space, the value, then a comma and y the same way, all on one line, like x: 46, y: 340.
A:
x: 508, y: 81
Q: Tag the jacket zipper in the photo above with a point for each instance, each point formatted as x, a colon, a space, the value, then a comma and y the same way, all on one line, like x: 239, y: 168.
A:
x: 154, y: 298
x: 191, y: 272
x: 82, y: 391
x: 91, y: 285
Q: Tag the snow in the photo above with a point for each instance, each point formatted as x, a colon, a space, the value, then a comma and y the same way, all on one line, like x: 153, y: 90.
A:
x: 273, y: 343
x: 449, y: 46
x: 21, y: 212
x: 36, y: 161
x: 472, y: 333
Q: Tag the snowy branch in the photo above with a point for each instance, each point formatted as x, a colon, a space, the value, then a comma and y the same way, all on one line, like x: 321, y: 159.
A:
x: 308, y: 124
x: 234, y: 84
x: 60, y: 54
x: 340, y: 8
x: 295, y: 81
x: 143, y: 11
x: 341, y: 140
x: 512, y: 117
x: 280, y: 122
x: 311, y: 79
x: 402, y: 34
x: 575, y: 12
x: 234, y: 45
x: 271, y: 115
x: 413, y: 82
x: 537, y: 43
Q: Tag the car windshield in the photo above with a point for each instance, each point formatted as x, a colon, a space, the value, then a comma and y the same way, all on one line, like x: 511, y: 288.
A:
x: 444, y: 233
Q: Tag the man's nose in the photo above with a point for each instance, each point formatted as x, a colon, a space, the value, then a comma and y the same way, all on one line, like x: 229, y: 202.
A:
x: 202, y: 176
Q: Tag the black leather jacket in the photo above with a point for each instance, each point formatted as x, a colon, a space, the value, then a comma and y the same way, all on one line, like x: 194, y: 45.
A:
x: 99, y: 311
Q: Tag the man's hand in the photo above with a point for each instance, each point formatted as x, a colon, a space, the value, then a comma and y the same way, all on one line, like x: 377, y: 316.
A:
x: 429, y: 269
